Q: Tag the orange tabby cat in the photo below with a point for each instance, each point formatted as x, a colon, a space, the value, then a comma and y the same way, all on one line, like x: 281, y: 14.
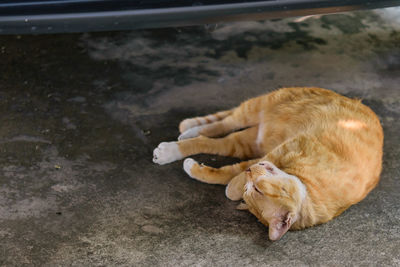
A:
x: 311, y: 154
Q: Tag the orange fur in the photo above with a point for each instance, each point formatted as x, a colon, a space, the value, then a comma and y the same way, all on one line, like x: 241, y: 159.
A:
x: 310, y: 137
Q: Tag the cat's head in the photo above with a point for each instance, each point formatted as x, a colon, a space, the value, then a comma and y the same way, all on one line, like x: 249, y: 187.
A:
x: 274, y: 197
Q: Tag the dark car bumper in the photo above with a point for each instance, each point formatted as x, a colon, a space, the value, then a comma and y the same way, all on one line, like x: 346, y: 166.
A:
x: 55, y: 16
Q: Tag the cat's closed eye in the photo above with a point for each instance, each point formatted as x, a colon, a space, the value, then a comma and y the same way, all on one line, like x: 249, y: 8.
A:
x: 257, y: 190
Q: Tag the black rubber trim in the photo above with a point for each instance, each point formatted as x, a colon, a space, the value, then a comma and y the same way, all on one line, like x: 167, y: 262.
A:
x: 175, y: 16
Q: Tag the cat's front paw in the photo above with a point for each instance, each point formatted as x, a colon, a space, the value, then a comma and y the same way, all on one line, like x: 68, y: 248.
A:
x: 187, y: 166
x: 166, y: 152
x: 235, y: 189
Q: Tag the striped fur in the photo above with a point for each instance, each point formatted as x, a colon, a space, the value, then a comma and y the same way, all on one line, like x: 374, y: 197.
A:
x: 310, y: 154
x: 192, y: 122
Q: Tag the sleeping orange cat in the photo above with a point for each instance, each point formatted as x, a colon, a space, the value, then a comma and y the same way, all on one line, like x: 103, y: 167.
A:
x: 311, y: 154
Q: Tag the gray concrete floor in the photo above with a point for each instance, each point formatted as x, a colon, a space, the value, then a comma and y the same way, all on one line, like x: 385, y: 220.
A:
x: 82, y: 113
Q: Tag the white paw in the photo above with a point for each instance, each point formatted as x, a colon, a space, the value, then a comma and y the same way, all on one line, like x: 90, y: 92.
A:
x: 190, y: 133
x: 233, y: 193
x: 235, y: 189
x: 166, y: 152
x: 187, y: 166
x: 187, y: 124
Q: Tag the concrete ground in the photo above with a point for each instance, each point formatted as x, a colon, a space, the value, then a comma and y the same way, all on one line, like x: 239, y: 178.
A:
x: 81, y: 114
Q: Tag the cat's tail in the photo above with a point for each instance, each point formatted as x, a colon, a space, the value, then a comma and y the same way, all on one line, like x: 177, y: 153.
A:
x: 193, y: 122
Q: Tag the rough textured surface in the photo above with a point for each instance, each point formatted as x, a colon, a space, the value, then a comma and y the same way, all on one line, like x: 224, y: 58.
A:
x: 81, y: 115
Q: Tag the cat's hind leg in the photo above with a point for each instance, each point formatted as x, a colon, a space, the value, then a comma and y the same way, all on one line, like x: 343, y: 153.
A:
x: 211, y: 175
x: 186, y: 124
x: 244, y: 116
x: 240, y: 144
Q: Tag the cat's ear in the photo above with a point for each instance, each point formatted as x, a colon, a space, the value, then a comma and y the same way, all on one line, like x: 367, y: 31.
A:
x: 280, y: 225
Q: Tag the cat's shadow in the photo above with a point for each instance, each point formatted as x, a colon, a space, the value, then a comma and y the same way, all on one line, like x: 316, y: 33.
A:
x: 209, y: 211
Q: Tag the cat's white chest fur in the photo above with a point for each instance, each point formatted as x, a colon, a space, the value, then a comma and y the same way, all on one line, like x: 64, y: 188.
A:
x: 261, y: 128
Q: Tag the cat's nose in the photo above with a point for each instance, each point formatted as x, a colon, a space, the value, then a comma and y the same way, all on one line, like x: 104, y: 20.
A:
x: 255, y: 171
x: 267, y: 166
